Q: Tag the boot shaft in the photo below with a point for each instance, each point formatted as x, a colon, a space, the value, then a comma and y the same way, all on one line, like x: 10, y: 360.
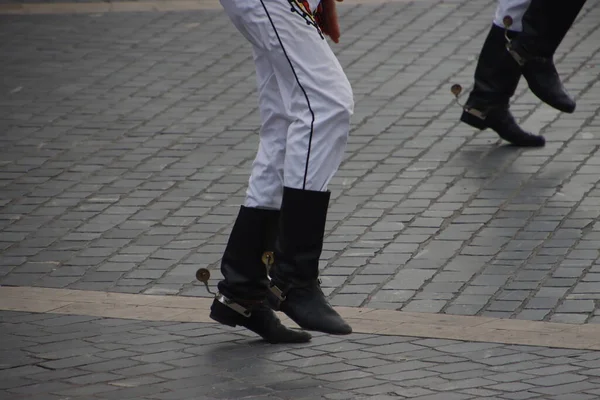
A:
x: 244, y: 261
x: 497, y: 73
x: 253, y: 232
x: 295, y: 289
x: 564, y: 15
x: 545, y: 25
x: 301, y: 233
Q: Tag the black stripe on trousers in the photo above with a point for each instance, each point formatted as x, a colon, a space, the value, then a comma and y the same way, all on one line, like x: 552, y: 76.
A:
x: 312, y: 114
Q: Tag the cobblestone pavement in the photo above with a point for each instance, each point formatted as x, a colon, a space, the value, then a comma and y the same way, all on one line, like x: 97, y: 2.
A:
x: 126, y: 141
x: 47, y: 357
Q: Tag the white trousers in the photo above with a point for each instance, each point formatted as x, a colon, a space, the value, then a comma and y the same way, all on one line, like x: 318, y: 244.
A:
x: 305, y: 99
x: 515, y: 9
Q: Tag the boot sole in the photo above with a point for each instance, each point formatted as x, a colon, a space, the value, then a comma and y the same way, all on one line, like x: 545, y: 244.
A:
x: 308, y: 327
x: 538, y: 92
x: 228, y: 317
x: 222, y: 320
x: 566, y: 108
x: 317, y: 329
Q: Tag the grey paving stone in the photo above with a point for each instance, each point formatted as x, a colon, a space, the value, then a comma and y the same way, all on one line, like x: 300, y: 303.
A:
x: 552, y: 370
x: 107, y: 366
x: 409, y: 376
x: 542, y: 303
x: 430, y: 306
x: 456, y: 367
x: 509, y: 306
x: 569, y: 318
x: 576, y: 306
x: 89, y: 390
x: 445, y: 396
x: 569, y: 388
x: 78, y: 361
x: 553, y: 380
x: 395, y: 348
x: 398, y: 367
x: 533, y: 315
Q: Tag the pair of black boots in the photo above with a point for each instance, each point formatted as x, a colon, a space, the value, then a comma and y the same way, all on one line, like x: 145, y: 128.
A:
x: 271, y: 262
x: 507, y: 55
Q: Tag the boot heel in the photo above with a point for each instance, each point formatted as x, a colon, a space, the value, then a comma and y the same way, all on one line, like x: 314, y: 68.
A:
x: 473, y: 121
x: 224, y: 315
x: 223, y: 321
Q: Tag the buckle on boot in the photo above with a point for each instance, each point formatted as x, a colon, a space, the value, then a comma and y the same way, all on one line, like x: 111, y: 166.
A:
x: 475, y: 112
x: 280, y: 294
x: 518, y: 58
x: 233, y: 305
x: 507, y: 21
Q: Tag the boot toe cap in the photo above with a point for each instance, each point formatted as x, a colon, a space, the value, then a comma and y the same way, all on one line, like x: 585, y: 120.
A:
x: 314, y: 313
x: 327, y: 322
x: 339, y: 327
x: 560, y: 101
x: 569, y: 106
x: 532, y: 141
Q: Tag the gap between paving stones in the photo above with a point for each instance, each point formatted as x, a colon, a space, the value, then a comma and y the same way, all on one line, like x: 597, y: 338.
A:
x: 363, y: 320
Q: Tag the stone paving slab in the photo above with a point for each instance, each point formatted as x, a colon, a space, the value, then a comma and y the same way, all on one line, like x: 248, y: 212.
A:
x: 47, y: 356
x: 126, y: 141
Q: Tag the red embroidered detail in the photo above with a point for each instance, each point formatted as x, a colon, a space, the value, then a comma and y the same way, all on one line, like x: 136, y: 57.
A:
x: 302, y: 8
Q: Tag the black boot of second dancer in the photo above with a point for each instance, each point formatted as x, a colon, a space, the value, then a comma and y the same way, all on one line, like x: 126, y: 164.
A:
x: 545, y: 24
x: 496, y: 78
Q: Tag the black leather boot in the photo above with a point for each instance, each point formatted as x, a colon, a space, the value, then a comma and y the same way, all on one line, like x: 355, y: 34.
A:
x: 242, y: 294
x: 295, y: 287
x: 545, y: 24
x: 496, y: 78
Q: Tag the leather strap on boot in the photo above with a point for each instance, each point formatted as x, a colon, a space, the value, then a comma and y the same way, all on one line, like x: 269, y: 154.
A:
x: 280, y: 290
x: 279, y: 296
x: 238, y: 308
